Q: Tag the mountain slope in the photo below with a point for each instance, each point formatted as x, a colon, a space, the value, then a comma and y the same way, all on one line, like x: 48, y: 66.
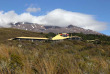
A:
x: 55, y: 29
x: 6, y: 33
x: 60, y: 57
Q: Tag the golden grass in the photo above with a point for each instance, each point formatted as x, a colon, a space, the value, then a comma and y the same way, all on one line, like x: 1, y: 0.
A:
x: 64, y: 57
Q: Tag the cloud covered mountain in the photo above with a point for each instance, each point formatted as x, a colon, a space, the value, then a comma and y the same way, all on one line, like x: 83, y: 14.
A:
x: 57, y: 17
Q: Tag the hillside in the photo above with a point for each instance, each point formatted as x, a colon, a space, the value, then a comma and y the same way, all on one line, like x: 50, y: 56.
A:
x: 6, y: 33
x: 52, y: 57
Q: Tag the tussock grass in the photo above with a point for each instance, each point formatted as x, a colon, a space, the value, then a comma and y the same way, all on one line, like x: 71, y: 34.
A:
x: 65, y: 57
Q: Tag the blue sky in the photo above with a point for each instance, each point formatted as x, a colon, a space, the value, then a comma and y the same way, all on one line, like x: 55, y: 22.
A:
x: 100, y: 9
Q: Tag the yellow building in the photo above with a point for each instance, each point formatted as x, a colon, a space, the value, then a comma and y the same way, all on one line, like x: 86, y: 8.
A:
x: 64, y: 36
x: 28, y: 38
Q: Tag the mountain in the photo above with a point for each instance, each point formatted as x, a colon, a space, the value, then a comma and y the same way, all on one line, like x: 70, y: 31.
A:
x: 55, y: 29
x: 61, y: 57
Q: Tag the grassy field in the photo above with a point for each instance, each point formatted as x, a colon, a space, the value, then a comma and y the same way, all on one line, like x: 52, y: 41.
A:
x: 61, y: 57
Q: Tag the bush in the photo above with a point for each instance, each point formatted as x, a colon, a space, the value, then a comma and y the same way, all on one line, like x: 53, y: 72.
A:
x: 15, y: 62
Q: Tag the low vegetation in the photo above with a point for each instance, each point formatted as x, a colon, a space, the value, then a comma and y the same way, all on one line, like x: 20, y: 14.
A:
x: 54, y: 57
x: 92, y: 36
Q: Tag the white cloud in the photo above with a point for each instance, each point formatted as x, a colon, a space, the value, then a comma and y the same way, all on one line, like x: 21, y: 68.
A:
x: 57, y: 17
x: 61, y: 17
x: 33, y: 9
